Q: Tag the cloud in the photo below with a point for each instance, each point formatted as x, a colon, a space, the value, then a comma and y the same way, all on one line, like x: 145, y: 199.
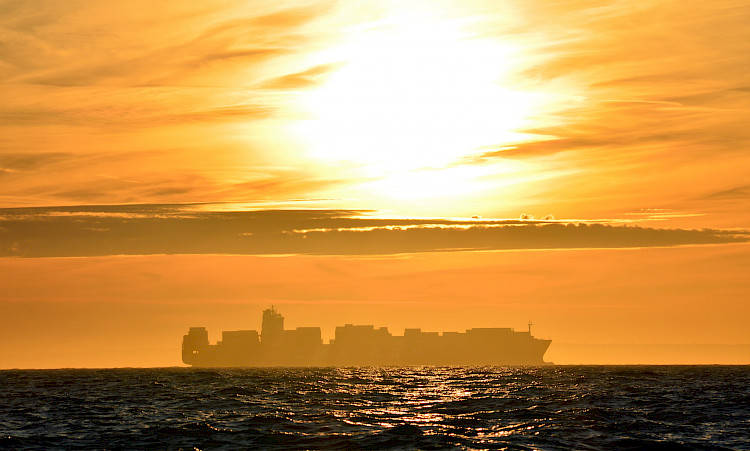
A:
x: 111, y: 103
x: 620, y: 128
x: 653, y: 102
x: 293, y: 17
x: 145, y: 185
x: 129, y: 116
x: 83, y: 65
x: 185, y: 229
x: 302, y: 80
x: 22, y: 162
x: 741, y: 192
x: 73, y: 44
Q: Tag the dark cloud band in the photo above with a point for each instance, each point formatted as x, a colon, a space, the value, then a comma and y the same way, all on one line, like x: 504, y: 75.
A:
x: 184, y: 229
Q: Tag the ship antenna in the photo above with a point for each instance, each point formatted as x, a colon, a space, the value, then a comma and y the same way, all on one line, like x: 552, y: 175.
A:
x: 530, y: 324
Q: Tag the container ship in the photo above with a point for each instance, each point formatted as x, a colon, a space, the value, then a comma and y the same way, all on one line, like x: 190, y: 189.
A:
x: 360, y: 345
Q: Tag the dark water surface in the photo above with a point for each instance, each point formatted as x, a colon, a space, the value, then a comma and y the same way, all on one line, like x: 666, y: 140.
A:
x: 569, y: 407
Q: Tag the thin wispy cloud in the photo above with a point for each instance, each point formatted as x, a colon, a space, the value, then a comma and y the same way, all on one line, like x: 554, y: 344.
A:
x: 625, y: 101
x: 302, y: 80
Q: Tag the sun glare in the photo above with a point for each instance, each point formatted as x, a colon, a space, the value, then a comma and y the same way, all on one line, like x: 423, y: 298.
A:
x: 411, y: 94
x: 448, y: 183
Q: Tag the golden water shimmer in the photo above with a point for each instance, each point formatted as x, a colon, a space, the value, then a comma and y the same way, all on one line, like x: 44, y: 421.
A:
x: 581, y: 164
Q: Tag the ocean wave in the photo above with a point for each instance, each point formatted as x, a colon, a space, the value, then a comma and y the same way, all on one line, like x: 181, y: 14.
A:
x: 680, y: 407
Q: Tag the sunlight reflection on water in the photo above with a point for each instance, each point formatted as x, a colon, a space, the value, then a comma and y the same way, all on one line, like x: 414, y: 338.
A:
x: 407, y: 408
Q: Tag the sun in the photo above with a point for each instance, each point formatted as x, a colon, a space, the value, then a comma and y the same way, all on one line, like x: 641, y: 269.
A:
x: 415, y: 96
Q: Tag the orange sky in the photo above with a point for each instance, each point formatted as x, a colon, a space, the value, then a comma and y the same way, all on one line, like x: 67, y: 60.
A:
x: 607, y: 114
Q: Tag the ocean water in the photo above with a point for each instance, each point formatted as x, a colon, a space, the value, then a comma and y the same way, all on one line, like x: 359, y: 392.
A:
x: 563, y: 407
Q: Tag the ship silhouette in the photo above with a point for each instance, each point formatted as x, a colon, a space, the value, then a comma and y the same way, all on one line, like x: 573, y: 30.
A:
x: 356, y: 345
